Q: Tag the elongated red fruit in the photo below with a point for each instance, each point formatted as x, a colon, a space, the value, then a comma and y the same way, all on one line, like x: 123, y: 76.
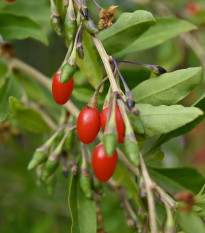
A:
x: 61, y: 92
x: 119, y: 122
x: 88, y: 124
x: 103, y: 166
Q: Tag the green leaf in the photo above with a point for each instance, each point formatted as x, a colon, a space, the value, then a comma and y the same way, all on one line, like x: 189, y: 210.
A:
x: 168, y: 88
x: 178, y: 179
x: 163, y: 119
x: 126, y: 30
x: 157, y: 156
x: 32, y: 10
x: 89, y: 64
x: 19, y: 27
x: 200, y: 197
x: 28, y: 117
x: 164, y: 30
x: 83, y: 212
x: 84, y: 95
x: 184, y: 129
x: 3, y: 68
x: 8, y: 87
x: 200, y: 211
x: 123, y: 177
x: 190, y: 223
x: 113, y: 216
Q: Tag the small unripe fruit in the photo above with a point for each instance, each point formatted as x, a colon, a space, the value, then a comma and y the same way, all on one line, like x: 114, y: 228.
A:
x: 119, y: 122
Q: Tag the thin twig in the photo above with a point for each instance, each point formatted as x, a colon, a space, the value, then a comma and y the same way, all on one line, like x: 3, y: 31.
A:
x: 44, y: 115
x: 99, y: 7
x: 121, y: 77
x: 106, y: 63
x: 145, y: 230
x: 150, y: 197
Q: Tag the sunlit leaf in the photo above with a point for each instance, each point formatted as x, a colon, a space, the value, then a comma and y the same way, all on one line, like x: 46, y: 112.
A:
x: 164, y: 30
x: 184, y: 129
x: 168, y: 88
x: 163, y: 119
x: 126, y: 30
x: 190, y: 223
x: 17, y: 27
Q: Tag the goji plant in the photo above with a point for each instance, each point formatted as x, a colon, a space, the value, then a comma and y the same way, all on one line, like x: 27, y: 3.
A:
x: 104, y: 119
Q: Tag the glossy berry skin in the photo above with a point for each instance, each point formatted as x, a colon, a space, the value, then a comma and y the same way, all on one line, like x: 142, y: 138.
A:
x: 119, y: 122
x: 61, y: 92
x: 88, y: 124
x: 103, y: 166
x: 10, y: 0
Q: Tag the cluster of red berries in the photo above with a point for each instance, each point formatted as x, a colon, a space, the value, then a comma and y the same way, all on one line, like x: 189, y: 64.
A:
x: 88, y: 126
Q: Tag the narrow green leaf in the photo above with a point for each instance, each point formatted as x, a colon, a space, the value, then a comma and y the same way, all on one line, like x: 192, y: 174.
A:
x: 82, y: 209
x: 72, y: 201
x: 3, y: 68
x: 157, y: 156
x: 8, y: 87
x: 163, y: 119
x: 28, y: 117
x: 190, y: 223
x: 19, y: 27
x: 201, y: 193
x: 168, y: 88
x: 126, y: 30
x: 164, y: 30
x: 89, y: 65
x: 184, y: 129
x: 178, y: 179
